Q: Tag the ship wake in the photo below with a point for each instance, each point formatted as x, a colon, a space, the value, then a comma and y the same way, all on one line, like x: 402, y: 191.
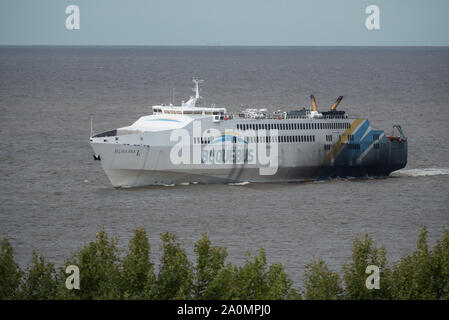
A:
x: 421, y: 172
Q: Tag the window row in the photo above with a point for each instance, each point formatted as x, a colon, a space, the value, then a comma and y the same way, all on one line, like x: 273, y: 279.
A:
x: 280, y: 139
x: 257, y: 139
x: 205, y: 140
x: 202, y: 112
x: 293, y: 126
x: 354, y: 146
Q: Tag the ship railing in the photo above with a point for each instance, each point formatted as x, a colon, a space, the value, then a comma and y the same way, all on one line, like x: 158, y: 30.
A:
x: 228, y: 116
x: 221, y: 117
x: 400, y: 132
x: 283, y: 117
x: 262, y: 116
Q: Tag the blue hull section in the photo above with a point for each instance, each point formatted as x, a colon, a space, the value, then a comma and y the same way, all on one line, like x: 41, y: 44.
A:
x: 367, y: 159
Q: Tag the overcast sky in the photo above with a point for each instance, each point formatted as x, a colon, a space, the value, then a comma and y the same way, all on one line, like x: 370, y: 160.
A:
x: 224, y: 22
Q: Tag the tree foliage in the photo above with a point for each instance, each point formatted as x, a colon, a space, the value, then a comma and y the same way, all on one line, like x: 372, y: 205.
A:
x: 107, y: 273
x: 209, y: 262
x: 40, y: 280
x: 137, y: 278
x: 364, y: 254
x: 99, y: 267
x: 417, y: 275
x: 321, y: 283
x: 10, y: 274
x: 175, y: 277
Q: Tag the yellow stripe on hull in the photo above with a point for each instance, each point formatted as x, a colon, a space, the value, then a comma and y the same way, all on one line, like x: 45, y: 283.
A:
x: 341, y: 143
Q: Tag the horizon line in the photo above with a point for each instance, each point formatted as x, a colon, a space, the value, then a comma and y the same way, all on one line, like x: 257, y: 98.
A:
x: 215, y: 46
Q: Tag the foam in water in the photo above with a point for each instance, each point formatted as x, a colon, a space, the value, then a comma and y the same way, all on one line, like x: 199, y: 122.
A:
x: 421, y: 172
x: 243, y: 183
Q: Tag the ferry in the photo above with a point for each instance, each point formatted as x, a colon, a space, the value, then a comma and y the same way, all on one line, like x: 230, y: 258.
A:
x: 186, y: 143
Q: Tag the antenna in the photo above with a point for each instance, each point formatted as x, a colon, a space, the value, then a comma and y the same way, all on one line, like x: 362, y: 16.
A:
x: 196, y: 89
x: 172, y: 95
x: 91, y: 126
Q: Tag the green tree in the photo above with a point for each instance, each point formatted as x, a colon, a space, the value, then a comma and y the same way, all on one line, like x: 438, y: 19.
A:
x: 224, y: 285
x: 413, y: 275
x: 254, y: 281
x: 279, y: 284
x: 137, y: 274
x: 364, y: 253
x: 40, y: 280
x: 175, y: 278
x: 99, y: 266
x: 10, y: 273
x: 440, y: 267
x: 210, y: 260
x: 423, y: 274
x: 250, y: 277
x: 321, y: 283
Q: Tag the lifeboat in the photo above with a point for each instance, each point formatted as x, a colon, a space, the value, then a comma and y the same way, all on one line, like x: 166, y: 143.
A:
x: 392, y: 138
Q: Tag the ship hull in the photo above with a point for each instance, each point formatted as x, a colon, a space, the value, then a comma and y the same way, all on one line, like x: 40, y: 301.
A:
x: 134, y: 178
x: 142, y: 165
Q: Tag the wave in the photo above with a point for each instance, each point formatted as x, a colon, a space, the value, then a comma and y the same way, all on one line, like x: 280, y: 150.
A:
x: 243, y: 183
x: 187, y: 183
x: 421, y: 172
